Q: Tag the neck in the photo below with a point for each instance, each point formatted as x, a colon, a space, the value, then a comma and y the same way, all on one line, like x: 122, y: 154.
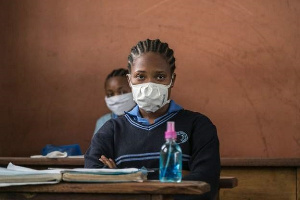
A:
x: 152, y: 116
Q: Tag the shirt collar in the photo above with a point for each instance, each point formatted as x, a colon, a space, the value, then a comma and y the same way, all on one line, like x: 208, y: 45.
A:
x: 135, y: 113
x: 114, y: 116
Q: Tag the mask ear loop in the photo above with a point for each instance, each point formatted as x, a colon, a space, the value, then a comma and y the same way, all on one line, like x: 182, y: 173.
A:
x: 129, y: 79
x: 171, y: 83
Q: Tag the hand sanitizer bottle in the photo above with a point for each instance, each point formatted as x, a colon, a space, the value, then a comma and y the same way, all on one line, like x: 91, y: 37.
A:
x: 170, y: 163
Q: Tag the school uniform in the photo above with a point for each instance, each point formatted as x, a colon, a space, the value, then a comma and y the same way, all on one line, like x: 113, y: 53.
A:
x: 132, y: 142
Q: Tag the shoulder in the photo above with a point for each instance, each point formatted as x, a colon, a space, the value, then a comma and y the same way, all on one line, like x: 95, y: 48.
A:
x: 114, y: 122
x: 107, y: 116
x: 198, y: 122
x: 192, y: 115
x: 102, y: 120
x: 199, y: 127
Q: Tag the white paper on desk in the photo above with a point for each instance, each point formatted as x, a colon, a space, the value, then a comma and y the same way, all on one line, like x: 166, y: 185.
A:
x: 17, y: 168
x: 28, y: 183
x: 79, y: 156
x: 103, y: 171
x: 17, y: 175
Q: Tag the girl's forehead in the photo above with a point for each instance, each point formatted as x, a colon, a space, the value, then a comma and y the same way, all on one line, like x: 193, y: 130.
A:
x: 150, y: 62
x: 116, y: 81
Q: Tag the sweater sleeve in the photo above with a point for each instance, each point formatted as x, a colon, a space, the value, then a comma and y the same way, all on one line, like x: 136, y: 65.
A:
x: 205, y: 159
x: 102, y: 144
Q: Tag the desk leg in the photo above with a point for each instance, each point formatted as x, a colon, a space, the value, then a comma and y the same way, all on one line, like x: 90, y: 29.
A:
x: 161, y: 197
x: 298, y: 183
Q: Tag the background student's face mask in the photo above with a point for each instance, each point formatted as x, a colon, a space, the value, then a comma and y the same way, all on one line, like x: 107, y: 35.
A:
x: 150, y: 96
x: 120, y: 103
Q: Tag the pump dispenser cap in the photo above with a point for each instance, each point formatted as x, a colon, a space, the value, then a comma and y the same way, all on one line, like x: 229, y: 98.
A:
x: 170, y: 132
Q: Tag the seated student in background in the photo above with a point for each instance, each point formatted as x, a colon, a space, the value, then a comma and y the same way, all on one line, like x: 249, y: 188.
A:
x: 135, y: 139
x: 118, y: 96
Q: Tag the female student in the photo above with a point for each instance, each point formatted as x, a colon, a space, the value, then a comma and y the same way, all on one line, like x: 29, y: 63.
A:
x: 118, y: 96
x: 135, y: 139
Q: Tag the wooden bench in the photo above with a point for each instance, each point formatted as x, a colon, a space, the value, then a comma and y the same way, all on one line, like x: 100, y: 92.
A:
x: 262, y: 178
x: 228, y: 182
x: 225, y: 181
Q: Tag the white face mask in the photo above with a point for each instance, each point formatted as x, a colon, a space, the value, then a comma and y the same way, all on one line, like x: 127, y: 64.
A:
x: 120, y: 103
x: 150, y: 96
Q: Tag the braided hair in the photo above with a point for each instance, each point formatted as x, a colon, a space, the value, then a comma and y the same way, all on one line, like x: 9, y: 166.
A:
x: 117, y: 72
x: 155, y: 46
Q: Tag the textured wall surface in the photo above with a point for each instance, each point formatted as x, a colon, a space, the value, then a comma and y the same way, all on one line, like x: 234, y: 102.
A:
x: 238, y: 62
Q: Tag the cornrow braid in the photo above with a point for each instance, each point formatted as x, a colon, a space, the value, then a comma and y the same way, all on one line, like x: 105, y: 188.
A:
x: 117, y: 72
x: 152, y: 46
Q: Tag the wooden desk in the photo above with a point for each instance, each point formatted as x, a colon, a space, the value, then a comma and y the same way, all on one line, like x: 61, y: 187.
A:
x: 149, y: 190
x: 281, y: 175
x: 44, y: 163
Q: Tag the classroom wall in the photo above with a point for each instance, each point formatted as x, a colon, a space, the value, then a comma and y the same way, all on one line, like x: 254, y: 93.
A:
x: 238, y: 62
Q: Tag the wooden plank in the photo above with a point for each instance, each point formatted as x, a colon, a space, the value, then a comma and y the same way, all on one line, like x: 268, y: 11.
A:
x: 298, y: 183
x: 256, y: 162
x: 228, y: 182
x: 79, y: 162
x: 37, y: 162
x: 159, y: 197
x: 78, y: 196
x: 225, y: 181
x: 256, y: 183
x: 148, y: 187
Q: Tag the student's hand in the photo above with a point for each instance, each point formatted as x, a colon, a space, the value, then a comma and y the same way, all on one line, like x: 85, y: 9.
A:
x: 108, y: 162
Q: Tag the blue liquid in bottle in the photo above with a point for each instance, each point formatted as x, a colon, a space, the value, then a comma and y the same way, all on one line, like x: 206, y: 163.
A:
x: 170, y: 163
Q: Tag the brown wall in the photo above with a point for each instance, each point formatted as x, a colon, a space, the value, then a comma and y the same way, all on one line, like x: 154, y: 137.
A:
x: 238, y: 62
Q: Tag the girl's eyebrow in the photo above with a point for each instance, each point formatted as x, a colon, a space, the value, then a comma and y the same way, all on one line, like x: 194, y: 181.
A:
x: 140, y: 71
x: 119, y: 88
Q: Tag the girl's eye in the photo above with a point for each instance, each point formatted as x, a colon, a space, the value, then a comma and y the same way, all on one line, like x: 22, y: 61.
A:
x: 161, y: 77
x: 140, y: 77
x: 110, y: 93
x: 122, y: 92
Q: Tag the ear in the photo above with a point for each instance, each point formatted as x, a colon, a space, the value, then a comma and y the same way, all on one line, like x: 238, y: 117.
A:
x: 128, y: 79
x: 173, y: 80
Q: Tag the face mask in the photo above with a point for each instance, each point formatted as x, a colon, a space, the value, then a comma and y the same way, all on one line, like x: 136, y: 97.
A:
x: 120, y: 103
x: 150, y: 96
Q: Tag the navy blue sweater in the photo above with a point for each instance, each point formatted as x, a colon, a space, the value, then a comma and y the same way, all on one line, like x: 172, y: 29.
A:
x: 131, y: 144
